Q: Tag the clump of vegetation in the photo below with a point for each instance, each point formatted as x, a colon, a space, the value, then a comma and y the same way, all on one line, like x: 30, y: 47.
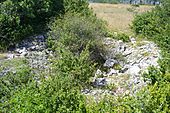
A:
x: 19, y: 19
x: 155, y: 25
x: 75, y: 32
x: 119, y: 36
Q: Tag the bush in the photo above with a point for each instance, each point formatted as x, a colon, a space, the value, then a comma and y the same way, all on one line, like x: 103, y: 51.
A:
x: 77, y: 6
x: 155, y: 25
x: 52, y: 95
x: 79, y: 67
x: 19, y: 19
x: 13, y: 81
x: 58, y: 91
x: 75, y: 32
x: 119, y: 36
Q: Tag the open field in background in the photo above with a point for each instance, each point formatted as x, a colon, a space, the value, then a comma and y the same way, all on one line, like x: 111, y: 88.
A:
x: 118, y: 16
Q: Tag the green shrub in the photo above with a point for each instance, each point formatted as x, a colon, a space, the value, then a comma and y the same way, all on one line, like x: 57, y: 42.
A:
x: 19, y: 19
x: 52, y: 95
x: 146, y: 24
x: 119, y: 36
x: 79, y: 67
x: 14, y: 80
x: 75, y: 32
x: 78, y: 6
x: 155, y: 25
x: 58, y: 91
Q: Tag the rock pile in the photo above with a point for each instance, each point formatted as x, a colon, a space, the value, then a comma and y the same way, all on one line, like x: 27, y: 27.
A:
x: 34, y: 49
x: 124, y: 65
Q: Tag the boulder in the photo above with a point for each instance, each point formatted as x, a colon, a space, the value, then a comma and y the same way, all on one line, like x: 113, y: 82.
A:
x: 110, y: 63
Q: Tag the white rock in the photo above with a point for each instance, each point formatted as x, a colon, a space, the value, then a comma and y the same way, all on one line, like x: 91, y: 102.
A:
x: 112, y: 72
x: 22, y: 50
x: 98, y: 72
x: 109, y: 63
x: 133, y: 70
x: 10, y: 56
x: 23, y: 54
x: 100, y: 82
x: 133, y: 40
x: 127, y: 52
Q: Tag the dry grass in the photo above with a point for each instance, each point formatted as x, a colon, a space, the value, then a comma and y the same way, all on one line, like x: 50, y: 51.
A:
x: 2, y: 56
x: 117, y: 15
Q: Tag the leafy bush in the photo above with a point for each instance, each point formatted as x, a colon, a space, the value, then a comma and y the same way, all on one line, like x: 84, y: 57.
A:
x: 78, y: 6
x: 75, y: 32
x: 119, y: 36
x: 79, y: 67
x: 19, y: 19
x: 13, y: 81
x: 56, y: 94
x: 58, y: 91
x: 155, y: 25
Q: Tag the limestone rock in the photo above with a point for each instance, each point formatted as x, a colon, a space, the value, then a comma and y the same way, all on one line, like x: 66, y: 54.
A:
x: 100, y: 82
x: 110, y: 63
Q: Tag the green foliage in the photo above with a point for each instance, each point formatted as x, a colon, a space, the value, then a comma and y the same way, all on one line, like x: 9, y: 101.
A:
x: 155, y: 25
x: 78, y: 6
x: 19, y: 19
x: 57, y: 91
x: 78, y: 66
x: 75, y: 32
x: 119, y: 36
x: 76, y: 40
x: 55, y: 94
x: 16, y: 78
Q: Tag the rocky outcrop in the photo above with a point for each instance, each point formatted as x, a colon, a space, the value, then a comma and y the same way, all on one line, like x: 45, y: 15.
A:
x: 34, y: 50
x: 124, y: 66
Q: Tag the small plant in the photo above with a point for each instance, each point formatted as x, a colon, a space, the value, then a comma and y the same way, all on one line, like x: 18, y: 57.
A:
x: 111, y: 87
x: 120, y: 57
x: 146, y: 54
x: 117, y: 67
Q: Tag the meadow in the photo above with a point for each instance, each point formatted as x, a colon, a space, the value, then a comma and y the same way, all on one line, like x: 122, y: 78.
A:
x: 118, y: 16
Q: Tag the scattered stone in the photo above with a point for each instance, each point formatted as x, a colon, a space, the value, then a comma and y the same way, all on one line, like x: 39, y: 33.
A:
x: 133, y: 40
x: 100, y: 82
x: 110, y: 63
x: 133, y: 70
x: 112, y: 72
x: 137, y: 57
x: 10, y: 56
x: 34, y: 50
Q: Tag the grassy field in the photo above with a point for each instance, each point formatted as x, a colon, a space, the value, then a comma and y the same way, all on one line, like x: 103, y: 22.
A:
x: 118, y: 16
